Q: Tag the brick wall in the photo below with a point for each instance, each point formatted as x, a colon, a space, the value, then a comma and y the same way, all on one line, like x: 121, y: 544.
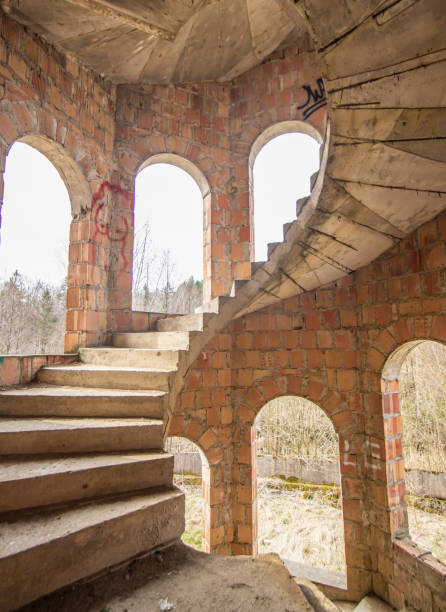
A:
x: 50, y: 101
x: 329, y: 346
x: 214, y: 125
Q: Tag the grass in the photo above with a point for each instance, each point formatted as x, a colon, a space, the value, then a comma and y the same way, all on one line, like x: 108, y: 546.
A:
x: 192, y: 535
x: 301, y: 524
x: 423, y: 407
x: 305, y: 524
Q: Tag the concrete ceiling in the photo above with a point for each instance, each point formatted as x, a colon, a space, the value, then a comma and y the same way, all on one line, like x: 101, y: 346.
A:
x: 163, y: 41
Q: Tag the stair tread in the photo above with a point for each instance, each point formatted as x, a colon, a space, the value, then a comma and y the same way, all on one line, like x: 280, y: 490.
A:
x: 42, y: 389
x: 92, y: 367
x: 22, y: 468
x: 129, y: 349
x: 17, y: 425
x: 171, y: 334
x: 26, y: 532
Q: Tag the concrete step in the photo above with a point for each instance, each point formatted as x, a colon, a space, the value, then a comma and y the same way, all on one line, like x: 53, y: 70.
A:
x: 43, y: 552
x: 152, y: 340
x: 63, y: 435
x: 286, y: 227
x: 214, y: 305
x: 40, y: 481
x: 237, y: 285
x: 256, y: 265
x: 42, y: 400
x: 271, y: 247
x: 89, y: 375
x: 315, y: 597
x: 130, y: 357
x: 183, y: 323
x: 300, y: 204
x: 372, y: 603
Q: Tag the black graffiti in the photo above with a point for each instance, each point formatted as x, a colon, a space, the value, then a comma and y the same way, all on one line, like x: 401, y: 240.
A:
x: 316, y: 99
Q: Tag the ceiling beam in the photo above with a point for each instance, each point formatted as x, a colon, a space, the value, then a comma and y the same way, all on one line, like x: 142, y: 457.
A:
x: 102, y: 7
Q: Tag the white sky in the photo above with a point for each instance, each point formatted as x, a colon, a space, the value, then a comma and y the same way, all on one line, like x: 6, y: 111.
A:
x: 36, y: 212
x: 36, y: 215
x: 170, y: 200
x: 282, y: 172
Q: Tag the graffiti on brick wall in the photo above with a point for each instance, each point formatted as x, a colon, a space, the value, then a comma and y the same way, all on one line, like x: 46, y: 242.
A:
x: 102, y: 216
x: 230, y: 186
x: 316, y: 99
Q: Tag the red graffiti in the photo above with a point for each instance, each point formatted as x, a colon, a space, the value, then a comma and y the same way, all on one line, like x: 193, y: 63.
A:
x: 102, y: 217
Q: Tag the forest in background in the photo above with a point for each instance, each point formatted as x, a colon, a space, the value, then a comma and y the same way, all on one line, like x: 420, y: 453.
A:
x: 32, y: 313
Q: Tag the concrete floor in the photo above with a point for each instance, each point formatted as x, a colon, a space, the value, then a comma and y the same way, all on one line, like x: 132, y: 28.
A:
x: 186, y: 579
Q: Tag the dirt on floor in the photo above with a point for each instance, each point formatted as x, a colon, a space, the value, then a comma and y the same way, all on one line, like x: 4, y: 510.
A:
x: 186, y: 580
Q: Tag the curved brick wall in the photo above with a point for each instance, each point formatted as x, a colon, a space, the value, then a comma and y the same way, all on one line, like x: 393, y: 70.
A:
x: 328, y: 346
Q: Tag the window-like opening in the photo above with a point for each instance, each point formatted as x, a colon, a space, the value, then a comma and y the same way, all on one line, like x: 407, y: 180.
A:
x: 36, y: 216
x: 168, y: 240
x: 191, y: 475
x: 422, y: 395
x: 299, y: 499
x: 282, y: 171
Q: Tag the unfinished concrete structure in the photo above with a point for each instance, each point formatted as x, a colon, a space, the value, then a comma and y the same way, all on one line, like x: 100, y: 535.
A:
x: 104, y: 88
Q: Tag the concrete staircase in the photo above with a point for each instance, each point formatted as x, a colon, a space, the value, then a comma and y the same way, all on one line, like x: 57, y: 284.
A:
x: 84, y: 481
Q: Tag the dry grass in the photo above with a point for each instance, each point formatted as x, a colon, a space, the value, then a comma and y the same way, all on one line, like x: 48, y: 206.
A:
x: 423, y: 407
x: 295, y: 427
x: 428, y: 530
x: 306, y: 526
x: 194, y: 503
x: 301, y: 525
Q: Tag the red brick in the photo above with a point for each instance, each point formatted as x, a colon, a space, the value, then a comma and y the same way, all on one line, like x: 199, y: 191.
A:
x: 8, y: 130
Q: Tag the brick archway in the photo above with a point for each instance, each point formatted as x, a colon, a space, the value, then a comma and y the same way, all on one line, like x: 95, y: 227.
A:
x: 275, y: 130
x: 393, y: 437
x: 296, y: 407
x: 351, y: 448
x: 203, y: 184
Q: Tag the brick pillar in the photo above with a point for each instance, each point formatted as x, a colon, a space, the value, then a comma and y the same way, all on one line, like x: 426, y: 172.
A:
x: 244, y: 507
x: 120, y: 235
x: 352, y: 451
x: 254, y: 512
x: 206, y: 507
x: 396, y: 486
x: 86, y: 285
x: 99, y: 283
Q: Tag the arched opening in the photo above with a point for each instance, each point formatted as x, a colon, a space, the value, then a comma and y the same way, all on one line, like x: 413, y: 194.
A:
x: 192, y: 476
x: 170, y: 193
x: 282, y: 160
x: 414, y: 404
x: 299, y: 503
x: 36, y: 217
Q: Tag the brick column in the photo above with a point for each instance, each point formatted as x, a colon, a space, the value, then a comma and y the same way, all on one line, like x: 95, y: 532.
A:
x: 99, y: 284
x: 396, y: 486
x: 86, y: 286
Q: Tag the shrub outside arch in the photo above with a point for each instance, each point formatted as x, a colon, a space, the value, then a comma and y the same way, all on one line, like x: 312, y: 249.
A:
x: 393, y: 437
x: 254, y: 459
x: 206, y: 490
